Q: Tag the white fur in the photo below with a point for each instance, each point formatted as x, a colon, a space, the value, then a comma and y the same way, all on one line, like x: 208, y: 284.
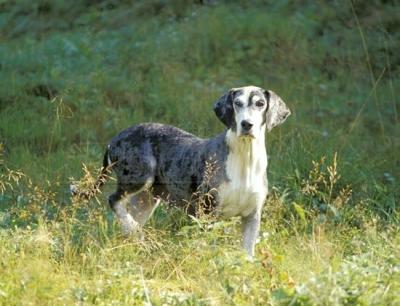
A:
x: 108, y: 156
x: 128, y: 224
x: 246, y: 167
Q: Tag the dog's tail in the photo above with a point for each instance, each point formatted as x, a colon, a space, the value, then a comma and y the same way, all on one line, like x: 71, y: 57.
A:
x: 89, y: 192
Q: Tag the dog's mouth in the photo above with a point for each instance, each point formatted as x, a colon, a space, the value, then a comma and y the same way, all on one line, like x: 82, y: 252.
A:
x: 246, y: 134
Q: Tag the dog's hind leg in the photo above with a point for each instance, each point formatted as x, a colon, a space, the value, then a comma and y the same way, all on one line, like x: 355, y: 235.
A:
x: 121, y: 202
x: 142, y: 206
x: 118, y: 202
x: 135, y: 169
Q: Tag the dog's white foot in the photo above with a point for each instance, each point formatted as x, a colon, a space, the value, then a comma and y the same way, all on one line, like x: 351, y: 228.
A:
x: 73, y: 189
x: 249, y: 258
x: 130, y: 227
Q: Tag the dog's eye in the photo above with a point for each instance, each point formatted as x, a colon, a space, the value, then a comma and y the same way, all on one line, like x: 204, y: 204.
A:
x: 238, y: 103
x: 259, y: 103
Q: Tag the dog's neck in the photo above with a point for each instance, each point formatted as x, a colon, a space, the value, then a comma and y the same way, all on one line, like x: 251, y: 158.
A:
x: 250, y: 147
x: 247, y: 158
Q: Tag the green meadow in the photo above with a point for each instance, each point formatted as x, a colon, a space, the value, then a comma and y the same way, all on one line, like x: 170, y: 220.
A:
x: 75, y: 73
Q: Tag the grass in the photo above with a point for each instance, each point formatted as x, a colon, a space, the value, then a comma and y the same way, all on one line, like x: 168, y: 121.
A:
x: 72, y: 76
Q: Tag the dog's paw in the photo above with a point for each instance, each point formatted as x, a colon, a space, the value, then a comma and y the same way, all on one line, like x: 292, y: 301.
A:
x: 249, y: 258
x: 130, y: 227
x: 73, y: 189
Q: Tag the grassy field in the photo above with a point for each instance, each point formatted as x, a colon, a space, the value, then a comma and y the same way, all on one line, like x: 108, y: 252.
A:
x: 74, y: 74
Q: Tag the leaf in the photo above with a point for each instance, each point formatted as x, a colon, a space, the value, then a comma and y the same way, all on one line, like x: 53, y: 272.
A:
x: 300, y: 212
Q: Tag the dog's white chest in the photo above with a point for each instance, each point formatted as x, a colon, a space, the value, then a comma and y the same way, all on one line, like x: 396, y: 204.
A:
x: 246, y: 187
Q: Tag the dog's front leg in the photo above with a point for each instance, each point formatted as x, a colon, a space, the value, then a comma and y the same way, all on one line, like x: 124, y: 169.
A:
x: 250, y: 229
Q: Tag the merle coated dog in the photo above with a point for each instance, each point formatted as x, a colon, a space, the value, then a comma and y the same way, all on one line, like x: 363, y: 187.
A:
x: 153, y: 161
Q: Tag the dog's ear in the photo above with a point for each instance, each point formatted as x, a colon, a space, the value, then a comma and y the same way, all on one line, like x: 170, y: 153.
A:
x: 277, y: 111
x: 223, y: 108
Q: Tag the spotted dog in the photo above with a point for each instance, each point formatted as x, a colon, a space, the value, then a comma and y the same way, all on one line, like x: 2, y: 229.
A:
x: 155, y: 161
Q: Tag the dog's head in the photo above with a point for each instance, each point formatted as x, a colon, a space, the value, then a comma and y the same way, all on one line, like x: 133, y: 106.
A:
x: 247, y: 111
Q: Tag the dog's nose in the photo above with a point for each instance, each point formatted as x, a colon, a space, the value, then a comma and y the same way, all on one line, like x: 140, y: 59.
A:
x: 246, y: 125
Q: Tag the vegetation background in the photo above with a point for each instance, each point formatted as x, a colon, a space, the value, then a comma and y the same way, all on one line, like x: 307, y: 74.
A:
x: 74, y: 73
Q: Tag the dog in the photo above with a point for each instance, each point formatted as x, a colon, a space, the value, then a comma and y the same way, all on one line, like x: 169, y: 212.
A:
x: 155, y: 161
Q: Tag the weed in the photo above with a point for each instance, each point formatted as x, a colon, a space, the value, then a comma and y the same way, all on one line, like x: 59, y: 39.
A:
x: 321, y: 191
x: 8, y: 177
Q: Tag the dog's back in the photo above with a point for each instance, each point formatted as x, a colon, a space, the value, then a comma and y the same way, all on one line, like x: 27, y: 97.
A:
x: 164, y: 158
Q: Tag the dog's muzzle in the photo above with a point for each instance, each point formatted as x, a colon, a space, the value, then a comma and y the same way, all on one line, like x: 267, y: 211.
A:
x: 246, y: 128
